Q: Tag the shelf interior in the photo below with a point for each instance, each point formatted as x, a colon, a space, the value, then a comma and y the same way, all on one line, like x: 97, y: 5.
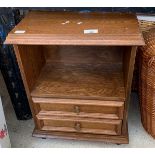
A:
x: 84, y: 72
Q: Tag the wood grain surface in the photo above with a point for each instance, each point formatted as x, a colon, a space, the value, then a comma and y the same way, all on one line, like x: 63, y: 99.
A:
x: 65, y: 28
x: 119, y: 139
x: 83, y: 125
x: 79, y: 108
x: 75, y: 55
x: 79, y: 82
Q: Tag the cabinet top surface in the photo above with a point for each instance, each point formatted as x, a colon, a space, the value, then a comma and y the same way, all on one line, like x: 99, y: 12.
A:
x: 74, y: 28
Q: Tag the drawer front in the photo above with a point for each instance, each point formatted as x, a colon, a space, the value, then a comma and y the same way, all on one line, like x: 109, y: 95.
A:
x: 84, y: 125
x: 80, y: 108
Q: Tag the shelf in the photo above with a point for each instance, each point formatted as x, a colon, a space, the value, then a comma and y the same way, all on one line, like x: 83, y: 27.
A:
x: 80, y: 81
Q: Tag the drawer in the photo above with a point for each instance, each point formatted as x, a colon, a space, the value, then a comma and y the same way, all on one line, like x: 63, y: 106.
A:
x: 80, y: 108
x: 82, y: 125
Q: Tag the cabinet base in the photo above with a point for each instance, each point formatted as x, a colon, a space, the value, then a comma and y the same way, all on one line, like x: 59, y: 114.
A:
x: 121, y: 139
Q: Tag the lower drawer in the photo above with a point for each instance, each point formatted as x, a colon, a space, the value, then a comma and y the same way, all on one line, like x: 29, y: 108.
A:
x: 84, y: 125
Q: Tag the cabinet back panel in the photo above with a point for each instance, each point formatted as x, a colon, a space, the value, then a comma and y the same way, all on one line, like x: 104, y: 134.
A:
x: 83, y: 54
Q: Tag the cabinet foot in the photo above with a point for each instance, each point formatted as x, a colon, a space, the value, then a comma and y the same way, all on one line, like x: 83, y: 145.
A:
x: 43, y: 138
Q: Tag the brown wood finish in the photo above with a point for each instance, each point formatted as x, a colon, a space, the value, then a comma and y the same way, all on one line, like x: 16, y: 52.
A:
x: 119, y: 139
x: 48, y: 28
x: 83, y: 125
x: 79, y: 82
x: 32, y: 60
x: 129, y: 61
x: 22, y: 71
x: 81, y: 91
x: 78, y: 55
x: 81, y: 72
x: 79, y: 108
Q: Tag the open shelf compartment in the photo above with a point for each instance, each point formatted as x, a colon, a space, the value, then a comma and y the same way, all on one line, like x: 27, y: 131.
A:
x: 84, y: 72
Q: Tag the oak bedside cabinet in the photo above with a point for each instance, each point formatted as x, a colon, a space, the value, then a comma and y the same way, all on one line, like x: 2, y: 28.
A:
x: 77, y: 71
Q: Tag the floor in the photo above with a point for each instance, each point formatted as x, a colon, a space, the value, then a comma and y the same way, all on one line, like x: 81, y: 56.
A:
x: 20, y: 131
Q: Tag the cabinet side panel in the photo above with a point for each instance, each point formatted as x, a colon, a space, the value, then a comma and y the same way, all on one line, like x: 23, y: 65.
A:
x: 128, y: 67
x: 26, y: 67
x: 32, y: 59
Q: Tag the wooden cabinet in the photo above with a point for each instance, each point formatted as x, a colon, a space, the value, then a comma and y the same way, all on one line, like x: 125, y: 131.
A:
x: 77, y: 70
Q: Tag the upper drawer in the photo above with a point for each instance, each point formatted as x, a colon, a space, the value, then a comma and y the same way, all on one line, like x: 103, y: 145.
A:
x: 80, y: 108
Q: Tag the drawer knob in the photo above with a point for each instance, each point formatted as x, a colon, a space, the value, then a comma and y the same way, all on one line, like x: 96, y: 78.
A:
x: 77, y: 109
x: 77, y: 126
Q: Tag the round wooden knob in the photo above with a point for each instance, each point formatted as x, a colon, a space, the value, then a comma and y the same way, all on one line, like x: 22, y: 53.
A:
x: 77, y: 109
x: 77, y: 126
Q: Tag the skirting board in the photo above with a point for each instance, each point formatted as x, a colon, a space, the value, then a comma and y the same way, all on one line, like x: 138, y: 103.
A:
x: 120, y: 139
